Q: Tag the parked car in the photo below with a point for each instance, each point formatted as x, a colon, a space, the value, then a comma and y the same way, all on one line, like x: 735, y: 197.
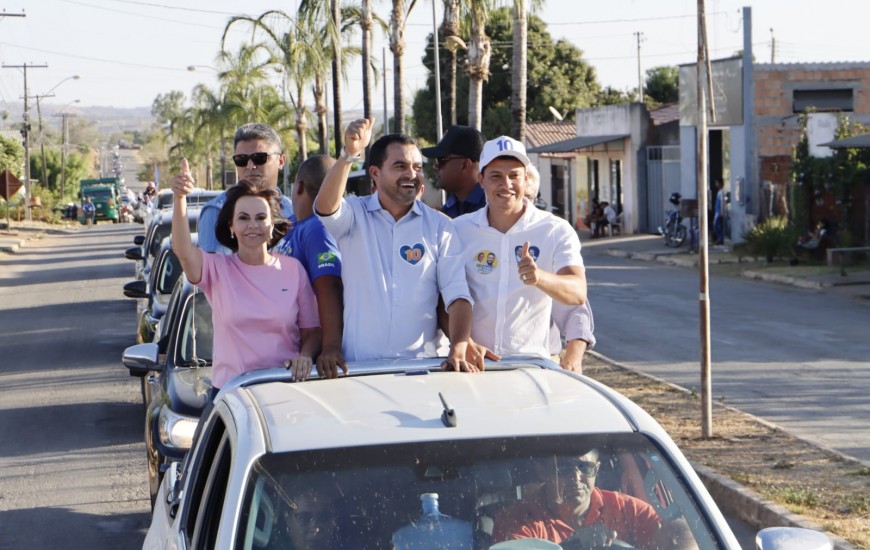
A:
x: 399, y: 454
x: 153, y: 294
x: 156, y: 230
x: 196, y: 198
x: 176, y: 374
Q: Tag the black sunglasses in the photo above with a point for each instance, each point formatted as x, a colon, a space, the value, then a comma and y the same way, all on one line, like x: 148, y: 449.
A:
x: 588, y: 469
x: 441, y: 162
x: 258, y: 158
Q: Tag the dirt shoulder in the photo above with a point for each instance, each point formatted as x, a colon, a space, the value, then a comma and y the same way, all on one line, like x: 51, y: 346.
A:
x: 823, y: 487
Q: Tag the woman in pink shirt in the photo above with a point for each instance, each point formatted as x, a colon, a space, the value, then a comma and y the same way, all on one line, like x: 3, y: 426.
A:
x: 263, y: 307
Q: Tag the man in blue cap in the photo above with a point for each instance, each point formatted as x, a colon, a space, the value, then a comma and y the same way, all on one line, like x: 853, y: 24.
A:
x: 456, y: 166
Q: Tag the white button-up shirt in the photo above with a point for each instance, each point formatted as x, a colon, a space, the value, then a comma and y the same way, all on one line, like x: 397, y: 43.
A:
x: 510, y: 317
x: 393, y: 272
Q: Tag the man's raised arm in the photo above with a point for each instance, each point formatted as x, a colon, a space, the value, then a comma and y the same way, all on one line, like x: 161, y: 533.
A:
x: 356, y: 138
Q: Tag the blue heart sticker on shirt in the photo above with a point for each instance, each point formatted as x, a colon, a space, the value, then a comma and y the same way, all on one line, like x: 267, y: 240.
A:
x: 412, y: 254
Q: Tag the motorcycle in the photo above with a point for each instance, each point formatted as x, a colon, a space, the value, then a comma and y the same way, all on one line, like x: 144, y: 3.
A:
x: 674, y: 232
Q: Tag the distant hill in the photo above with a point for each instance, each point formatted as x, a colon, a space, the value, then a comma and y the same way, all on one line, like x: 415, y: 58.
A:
x: 109, y: 119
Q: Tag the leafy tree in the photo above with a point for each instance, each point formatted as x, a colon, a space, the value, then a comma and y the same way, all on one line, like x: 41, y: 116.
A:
x: 76, y: 168
x: 557, y: 76
x: 11, y: 156
x: 612, y: 96
x: 662, y: 85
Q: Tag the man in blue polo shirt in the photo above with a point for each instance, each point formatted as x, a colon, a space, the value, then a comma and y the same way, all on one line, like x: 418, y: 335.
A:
x: 309, y: 242
x: 456, y: 157
x: 399, y: 256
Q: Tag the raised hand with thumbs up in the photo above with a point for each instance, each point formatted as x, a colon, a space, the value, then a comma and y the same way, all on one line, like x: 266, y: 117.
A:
x: 526, y: 267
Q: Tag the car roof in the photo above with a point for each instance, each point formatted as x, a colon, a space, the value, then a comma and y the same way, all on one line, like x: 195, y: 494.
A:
x: 400, y: 402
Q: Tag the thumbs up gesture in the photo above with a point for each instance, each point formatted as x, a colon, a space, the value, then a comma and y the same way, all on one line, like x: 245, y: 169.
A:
x: 183, y: 183
x: 526, y: 267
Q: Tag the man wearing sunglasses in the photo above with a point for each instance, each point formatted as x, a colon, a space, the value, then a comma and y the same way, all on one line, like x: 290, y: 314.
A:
x: 259, y: 158
x: 570, y: 510
x: 456, y: 157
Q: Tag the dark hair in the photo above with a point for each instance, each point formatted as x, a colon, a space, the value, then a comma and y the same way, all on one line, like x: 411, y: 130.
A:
x: 258, y: 130
x: 378, y: 152
x: 312, y: 172
x: 244, y: 188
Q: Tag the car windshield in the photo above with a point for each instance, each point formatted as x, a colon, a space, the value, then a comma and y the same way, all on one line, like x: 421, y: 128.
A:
x: 99, y: 193
x: 488, y: 490
x: 197, y: 333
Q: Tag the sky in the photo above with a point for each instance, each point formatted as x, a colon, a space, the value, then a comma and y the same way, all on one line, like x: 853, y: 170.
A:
x: 126, y: 52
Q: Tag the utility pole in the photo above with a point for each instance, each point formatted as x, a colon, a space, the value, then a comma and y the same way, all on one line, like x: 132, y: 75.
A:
x: 639, y: 36
x: 704, y: 76
x: 42, y: 138
x: 772, y: 46
x: 25, y: 131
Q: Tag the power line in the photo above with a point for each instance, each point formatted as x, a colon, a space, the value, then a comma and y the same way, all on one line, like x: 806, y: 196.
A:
x: 100, y: 60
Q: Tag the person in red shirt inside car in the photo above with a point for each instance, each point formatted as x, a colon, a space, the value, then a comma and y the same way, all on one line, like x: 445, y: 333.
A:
x: 569, y: 510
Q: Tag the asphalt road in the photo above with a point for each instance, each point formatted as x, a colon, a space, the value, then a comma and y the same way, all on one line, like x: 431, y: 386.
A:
x: 72, y: 457
x: 795, y: 357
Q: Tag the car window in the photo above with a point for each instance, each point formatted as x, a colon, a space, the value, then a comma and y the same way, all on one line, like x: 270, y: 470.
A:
x: 198, y: 467
x: 196, y: 338
x: 486, y: 488
x: 168, y: 273
x: 209, y: 519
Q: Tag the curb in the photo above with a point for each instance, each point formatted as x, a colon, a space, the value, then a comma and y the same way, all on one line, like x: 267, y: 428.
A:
x: 755, y: 510
x: 735, y: 499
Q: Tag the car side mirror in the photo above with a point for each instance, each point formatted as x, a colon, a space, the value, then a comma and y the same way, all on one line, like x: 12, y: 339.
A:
x: 139, y: 240
x: 783, y: 538
x: 134, y: 253
x: 173, y: 488
x: 136, y: 289
x: 141, y: 359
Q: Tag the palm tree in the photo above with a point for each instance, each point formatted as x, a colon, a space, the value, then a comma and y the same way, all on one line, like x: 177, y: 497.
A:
x: 296, y: 50
x: 327, y: 16
x: 366, y: 27
x: 479, y: 52
x: 519, y: 75
x: 398, y: 19
x: 450, y: 29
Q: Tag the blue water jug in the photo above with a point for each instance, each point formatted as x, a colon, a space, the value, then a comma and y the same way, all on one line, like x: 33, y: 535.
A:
x: 433, y: 530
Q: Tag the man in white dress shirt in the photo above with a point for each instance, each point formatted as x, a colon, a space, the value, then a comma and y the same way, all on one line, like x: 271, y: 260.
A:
x: 397, y: 255
x: 518, y: 259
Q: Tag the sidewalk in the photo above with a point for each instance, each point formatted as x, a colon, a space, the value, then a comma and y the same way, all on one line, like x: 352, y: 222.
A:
x: 15, y: 238
x: 651, y: 248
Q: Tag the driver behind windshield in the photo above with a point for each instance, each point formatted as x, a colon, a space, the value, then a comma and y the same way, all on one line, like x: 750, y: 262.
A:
x: 570, y: 510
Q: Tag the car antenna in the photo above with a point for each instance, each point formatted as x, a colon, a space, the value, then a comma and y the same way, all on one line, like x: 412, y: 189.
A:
x: 448, y: 417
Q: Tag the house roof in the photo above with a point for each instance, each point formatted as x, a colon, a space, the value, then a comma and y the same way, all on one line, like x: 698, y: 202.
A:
x: 11, y: 134
x: 665, y: 114
x: 544, y: 133
x: 861, y: 141
x: 575, y: 143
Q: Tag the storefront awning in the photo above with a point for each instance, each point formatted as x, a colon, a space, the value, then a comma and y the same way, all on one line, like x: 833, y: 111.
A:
x: 854, y: 142
x: 576, y: 143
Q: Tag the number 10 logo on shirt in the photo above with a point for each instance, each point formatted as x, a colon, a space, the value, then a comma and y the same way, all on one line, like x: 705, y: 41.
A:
x: 412, y: 254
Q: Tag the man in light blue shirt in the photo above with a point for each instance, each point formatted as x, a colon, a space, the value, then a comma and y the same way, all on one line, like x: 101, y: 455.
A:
x: 259, y: 157
x: 398, y: 255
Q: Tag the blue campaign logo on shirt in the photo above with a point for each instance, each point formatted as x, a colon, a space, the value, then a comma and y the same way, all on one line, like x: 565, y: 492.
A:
x: 412, y: 254
x: 534, y: 252
x: 485, y: 261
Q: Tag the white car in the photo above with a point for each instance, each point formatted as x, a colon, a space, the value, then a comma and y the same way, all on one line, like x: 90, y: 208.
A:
x: 402, y: 455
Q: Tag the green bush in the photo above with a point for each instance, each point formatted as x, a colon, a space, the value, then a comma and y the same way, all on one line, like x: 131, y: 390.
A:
x: 773, y: 238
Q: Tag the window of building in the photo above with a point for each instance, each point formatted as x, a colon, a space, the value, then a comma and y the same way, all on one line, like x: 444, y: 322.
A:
x: 823, y: 100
